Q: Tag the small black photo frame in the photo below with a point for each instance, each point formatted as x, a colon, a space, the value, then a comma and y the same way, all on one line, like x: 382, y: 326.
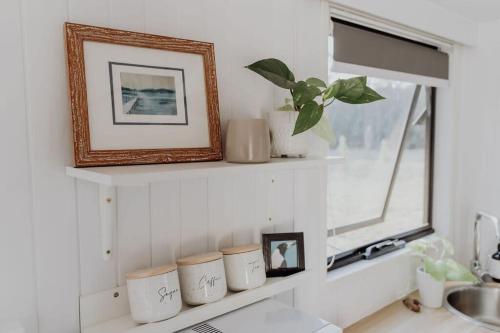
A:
x: 283, y: 253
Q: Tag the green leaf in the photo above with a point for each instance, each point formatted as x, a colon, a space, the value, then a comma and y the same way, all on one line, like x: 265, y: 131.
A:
x: 316, y: 82
x: 298, y: 91
x: 345, y: 90
x: 419, y: 246
x: 275, y: 71
x: 324, y: 130
x: 368, y: 96
x: 303, y: 93
x: 352, y: 91
x: 332, y: 90
x: 435, y: 268
x: 287, y: 106
x: 309, y: 115
x: 457, y: 272
x: 442, y: 269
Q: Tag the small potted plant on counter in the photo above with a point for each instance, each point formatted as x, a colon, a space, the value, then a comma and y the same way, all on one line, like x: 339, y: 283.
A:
x: 309, y: 98
x: 436, y: 267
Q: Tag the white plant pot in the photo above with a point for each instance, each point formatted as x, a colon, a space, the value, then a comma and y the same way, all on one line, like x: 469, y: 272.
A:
x: 283, y: 143
x: 431, y: 291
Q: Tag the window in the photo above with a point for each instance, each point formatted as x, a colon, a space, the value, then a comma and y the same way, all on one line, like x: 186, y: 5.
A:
x: 383, y: 189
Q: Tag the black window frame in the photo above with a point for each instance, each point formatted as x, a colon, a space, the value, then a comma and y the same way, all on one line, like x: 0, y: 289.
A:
x: 356, y: 254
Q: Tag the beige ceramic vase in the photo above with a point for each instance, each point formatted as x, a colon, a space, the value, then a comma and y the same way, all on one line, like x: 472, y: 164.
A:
x: 248, y: 141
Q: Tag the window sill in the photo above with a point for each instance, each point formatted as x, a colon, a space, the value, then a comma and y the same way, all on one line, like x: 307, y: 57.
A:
x: 354, y: 268
x: 360, y: 266
x: 355, y: 256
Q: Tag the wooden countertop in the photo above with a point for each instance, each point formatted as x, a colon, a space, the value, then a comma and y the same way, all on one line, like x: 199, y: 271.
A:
x: 396, y: 318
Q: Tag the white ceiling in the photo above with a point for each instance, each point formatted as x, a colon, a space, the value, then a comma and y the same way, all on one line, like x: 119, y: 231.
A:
x: 477, y: 10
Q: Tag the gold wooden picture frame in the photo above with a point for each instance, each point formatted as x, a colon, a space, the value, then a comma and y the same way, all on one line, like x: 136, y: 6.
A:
x: 89, y: 138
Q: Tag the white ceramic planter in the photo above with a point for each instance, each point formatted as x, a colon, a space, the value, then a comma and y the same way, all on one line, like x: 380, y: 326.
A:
x: 431, y: 291
x: 245, y: 267
x: 283, y: 144
x: 202, y: 278
x: 154, y: 294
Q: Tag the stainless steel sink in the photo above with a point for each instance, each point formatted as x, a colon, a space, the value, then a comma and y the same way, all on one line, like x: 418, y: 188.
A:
x: 477, y: 304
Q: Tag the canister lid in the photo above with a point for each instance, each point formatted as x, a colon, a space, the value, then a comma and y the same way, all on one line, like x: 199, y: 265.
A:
x: 199, y: 259
x: 148, y: 272
x: 241, y: 249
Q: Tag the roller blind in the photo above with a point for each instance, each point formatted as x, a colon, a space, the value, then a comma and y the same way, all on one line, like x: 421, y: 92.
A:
x: 363, y: 51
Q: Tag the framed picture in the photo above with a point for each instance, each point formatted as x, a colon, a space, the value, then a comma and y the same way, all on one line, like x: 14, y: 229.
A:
x: 141, y: 99
x: 283, y: 253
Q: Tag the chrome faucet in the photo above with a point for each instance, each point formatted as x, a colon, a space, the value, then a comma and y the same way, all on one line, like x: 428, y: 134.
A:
x: 476, y: 268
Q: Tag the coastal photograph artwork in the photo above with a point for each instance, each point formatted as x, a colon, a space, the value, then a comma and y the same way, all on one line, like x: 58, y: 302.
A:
x: 145, y: 94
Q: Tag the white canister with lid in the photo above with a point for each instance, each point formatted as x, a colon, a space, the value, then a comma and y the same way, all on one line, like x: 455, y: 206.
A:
x: 245, y: 268
x: 154, y: 294
x: 202, y: 277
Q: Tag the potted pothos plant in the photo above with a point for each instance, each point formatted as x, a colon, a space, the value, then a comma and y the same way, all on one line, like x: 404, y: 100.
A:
x: 436, y: 267
x: 309, y: 99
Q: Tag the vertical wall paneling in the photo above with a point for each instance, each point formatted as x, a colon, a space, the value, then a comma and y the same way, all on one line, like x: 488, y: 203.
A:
x: 218, y: 33
x: 280, y: 194
x: 149, y: 231
x: 309, y: 43
x: 284, y: 40
x: 18, y: 301
x: 263, y: 220
x: 92, y: 12
x: 127, y: 14
x: 193, y: 16
x: 50, y: 147
x: 220, y: 212
x: 40, y: 204
x: 244, y: 208
x: 194, y: 216
x: 134, y: 234
x: 252, y: 30
x: 96, y: 274
x: 280, y: 202
x: 310, y: 217
x: 165, y: 222
x: 162, y: 17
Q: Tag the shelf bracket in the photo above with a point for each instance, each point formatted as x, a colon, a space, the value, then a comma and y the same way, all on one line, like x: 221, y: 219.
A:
x: 107, y: 214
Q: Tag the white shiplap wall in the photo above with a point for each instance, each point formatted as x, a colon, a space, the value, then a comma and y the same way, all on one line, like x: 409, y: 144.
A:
x: 40, y: 239
x: 17, y: 287
x: 161, y: 222
x: 45, y: 210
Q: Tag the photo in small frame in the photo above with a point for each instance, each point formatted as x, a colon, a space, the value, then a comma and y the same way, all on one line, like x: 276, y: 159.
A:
x: 283, y: 253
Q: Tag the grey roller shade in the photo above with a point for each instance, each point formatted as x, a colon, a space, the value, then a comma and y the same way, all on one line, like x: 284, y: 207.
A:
x: 358, y: 46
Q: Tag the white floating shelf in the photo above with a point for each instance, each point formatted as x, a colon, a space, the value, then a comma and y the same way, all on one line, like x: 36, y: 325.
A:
x: 190, y: 316
x: 138, y: 175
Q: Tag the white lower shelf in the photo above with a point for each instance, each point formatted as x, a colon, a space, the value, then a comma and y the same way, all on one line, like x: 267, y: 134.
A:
x: 192, y: 315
